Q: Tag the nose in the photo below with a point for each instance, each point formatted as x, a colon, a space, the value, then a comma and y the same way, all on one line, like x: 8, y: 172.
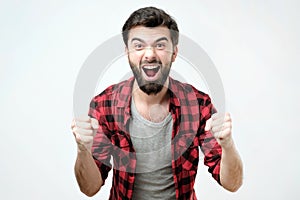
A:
x: 150, y: 54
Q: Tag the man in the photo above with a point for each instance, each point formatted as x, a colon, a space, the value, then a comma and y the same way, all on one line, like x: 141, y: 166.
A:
x: 152, y: 125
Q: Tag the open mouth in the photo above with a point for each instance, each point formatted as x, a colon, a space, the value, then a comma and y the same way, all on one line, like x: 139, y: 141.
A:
x: 150, y: 71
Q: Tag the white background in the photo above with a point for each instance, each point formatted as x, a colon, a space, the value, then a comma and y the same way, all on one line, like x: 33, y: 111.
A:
x: 43, y: 44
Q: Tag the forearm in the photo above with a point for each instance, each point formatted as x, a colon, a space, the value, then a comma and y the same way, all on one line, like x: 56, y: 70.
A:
x: 231, y: 173
x: 87, y: 173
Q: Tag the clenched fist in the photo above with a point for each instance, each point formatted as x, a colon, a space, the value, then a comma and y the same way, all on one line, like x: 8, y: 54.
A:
x: 220, y: 126
x: 84, y: 130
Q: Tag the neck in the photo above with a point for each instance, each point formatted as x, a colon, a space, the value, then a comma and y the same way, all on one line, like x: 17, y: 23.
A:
x: 160, y: 98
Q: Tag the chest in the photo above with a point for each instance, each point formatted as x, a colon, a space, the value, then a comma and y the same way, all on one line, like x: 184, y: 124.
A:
x: 154, y: 113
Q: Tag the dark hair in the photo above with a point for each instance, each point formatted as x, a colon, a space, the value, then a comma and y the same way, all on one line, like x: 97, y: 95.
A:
x: 150, y: 17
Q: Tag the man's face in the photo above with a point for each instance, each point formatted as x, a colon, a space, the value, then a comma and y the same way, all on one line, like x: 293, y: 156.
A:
x: 150, y: 54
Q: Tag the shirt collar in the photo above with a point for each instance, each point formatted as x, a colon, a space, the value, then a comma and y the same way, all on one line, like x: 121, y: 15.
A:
x: 173, y: 90
x: 124, y: 94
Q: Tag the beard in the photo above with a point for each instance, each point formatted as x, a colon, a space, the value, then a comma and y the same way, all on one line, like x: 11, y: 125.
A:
x: 150, y: 87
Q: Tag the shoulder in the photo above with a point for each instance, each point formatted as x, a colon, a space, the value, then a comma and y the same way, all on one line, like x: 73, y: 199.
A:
x: 108, y: 96
x: 203, y: 98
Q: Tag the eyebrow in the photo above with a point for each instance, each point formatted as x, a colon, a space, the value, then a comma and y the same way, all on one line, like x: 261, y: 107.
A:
x: 162, y: 38
x: 158, y: 40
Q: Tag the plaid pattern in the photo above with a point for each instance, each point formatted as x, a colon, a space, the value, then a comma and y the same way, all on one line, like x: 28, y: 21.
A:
x: 190, y: 109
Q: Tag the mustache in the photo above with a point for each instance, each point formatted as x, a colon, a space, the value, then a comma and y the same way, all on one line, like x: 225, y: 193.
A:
x: 152, y: 62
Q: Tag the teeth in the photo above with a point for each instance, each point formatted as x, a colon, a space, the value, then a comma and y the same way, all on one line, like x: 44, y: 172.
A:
x: 150, y: 67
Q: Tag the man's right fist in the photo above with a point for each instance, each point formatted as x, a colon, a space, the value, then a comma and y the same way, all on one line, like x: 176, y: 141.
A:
x: 84, y: 130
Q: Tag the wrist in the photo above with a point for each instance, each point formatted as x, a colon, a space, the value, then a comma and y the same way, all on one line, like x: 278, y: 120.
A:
x: 82, y: 149
x: 227, y: 144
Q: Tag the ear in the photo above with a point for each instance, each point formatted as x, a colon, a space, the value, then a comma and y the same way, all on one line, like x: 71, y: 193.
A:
x: 175, y: 51
x: 126, y: 50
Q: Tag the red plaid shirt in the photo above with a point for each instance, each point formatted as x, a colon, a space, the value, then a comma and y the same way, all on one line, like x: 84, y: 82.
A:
x: 190, y: 109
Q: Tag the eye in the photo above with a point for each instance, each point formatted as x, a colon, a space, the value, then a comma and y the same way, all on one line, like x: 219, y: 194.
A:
x: 160, y: 46
x: 138, y: 46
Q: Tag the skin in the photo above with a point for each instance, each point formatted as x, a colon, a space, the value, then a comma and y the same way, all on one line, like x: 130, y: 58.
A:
x: 153, y: 47
x: 231, y: 169
x: 86, y: 171
x: 145, y: 47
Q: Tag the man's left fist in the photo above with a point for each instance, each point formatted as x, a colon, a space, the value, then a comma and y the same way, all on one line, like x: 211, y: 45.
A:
x: 220, y: 126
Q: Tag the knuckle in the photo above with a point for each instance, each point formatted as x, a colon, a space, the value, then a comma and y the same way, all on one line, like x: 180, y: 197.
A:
x: 85, y: 125
x: 213, y: 128
x: 87, y: 139
x: 217, y: 134
x: 75, y: 129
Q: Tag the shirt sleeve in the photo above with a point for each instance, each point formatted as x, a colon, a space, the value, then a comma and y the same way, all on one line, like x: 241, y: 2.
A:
x: 101, y: 149
x: 209, y: 146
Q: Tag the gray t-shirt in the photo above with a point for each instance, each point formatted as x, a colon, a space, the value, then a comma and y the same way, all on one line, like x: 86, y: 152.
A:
x: 152, y: 143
